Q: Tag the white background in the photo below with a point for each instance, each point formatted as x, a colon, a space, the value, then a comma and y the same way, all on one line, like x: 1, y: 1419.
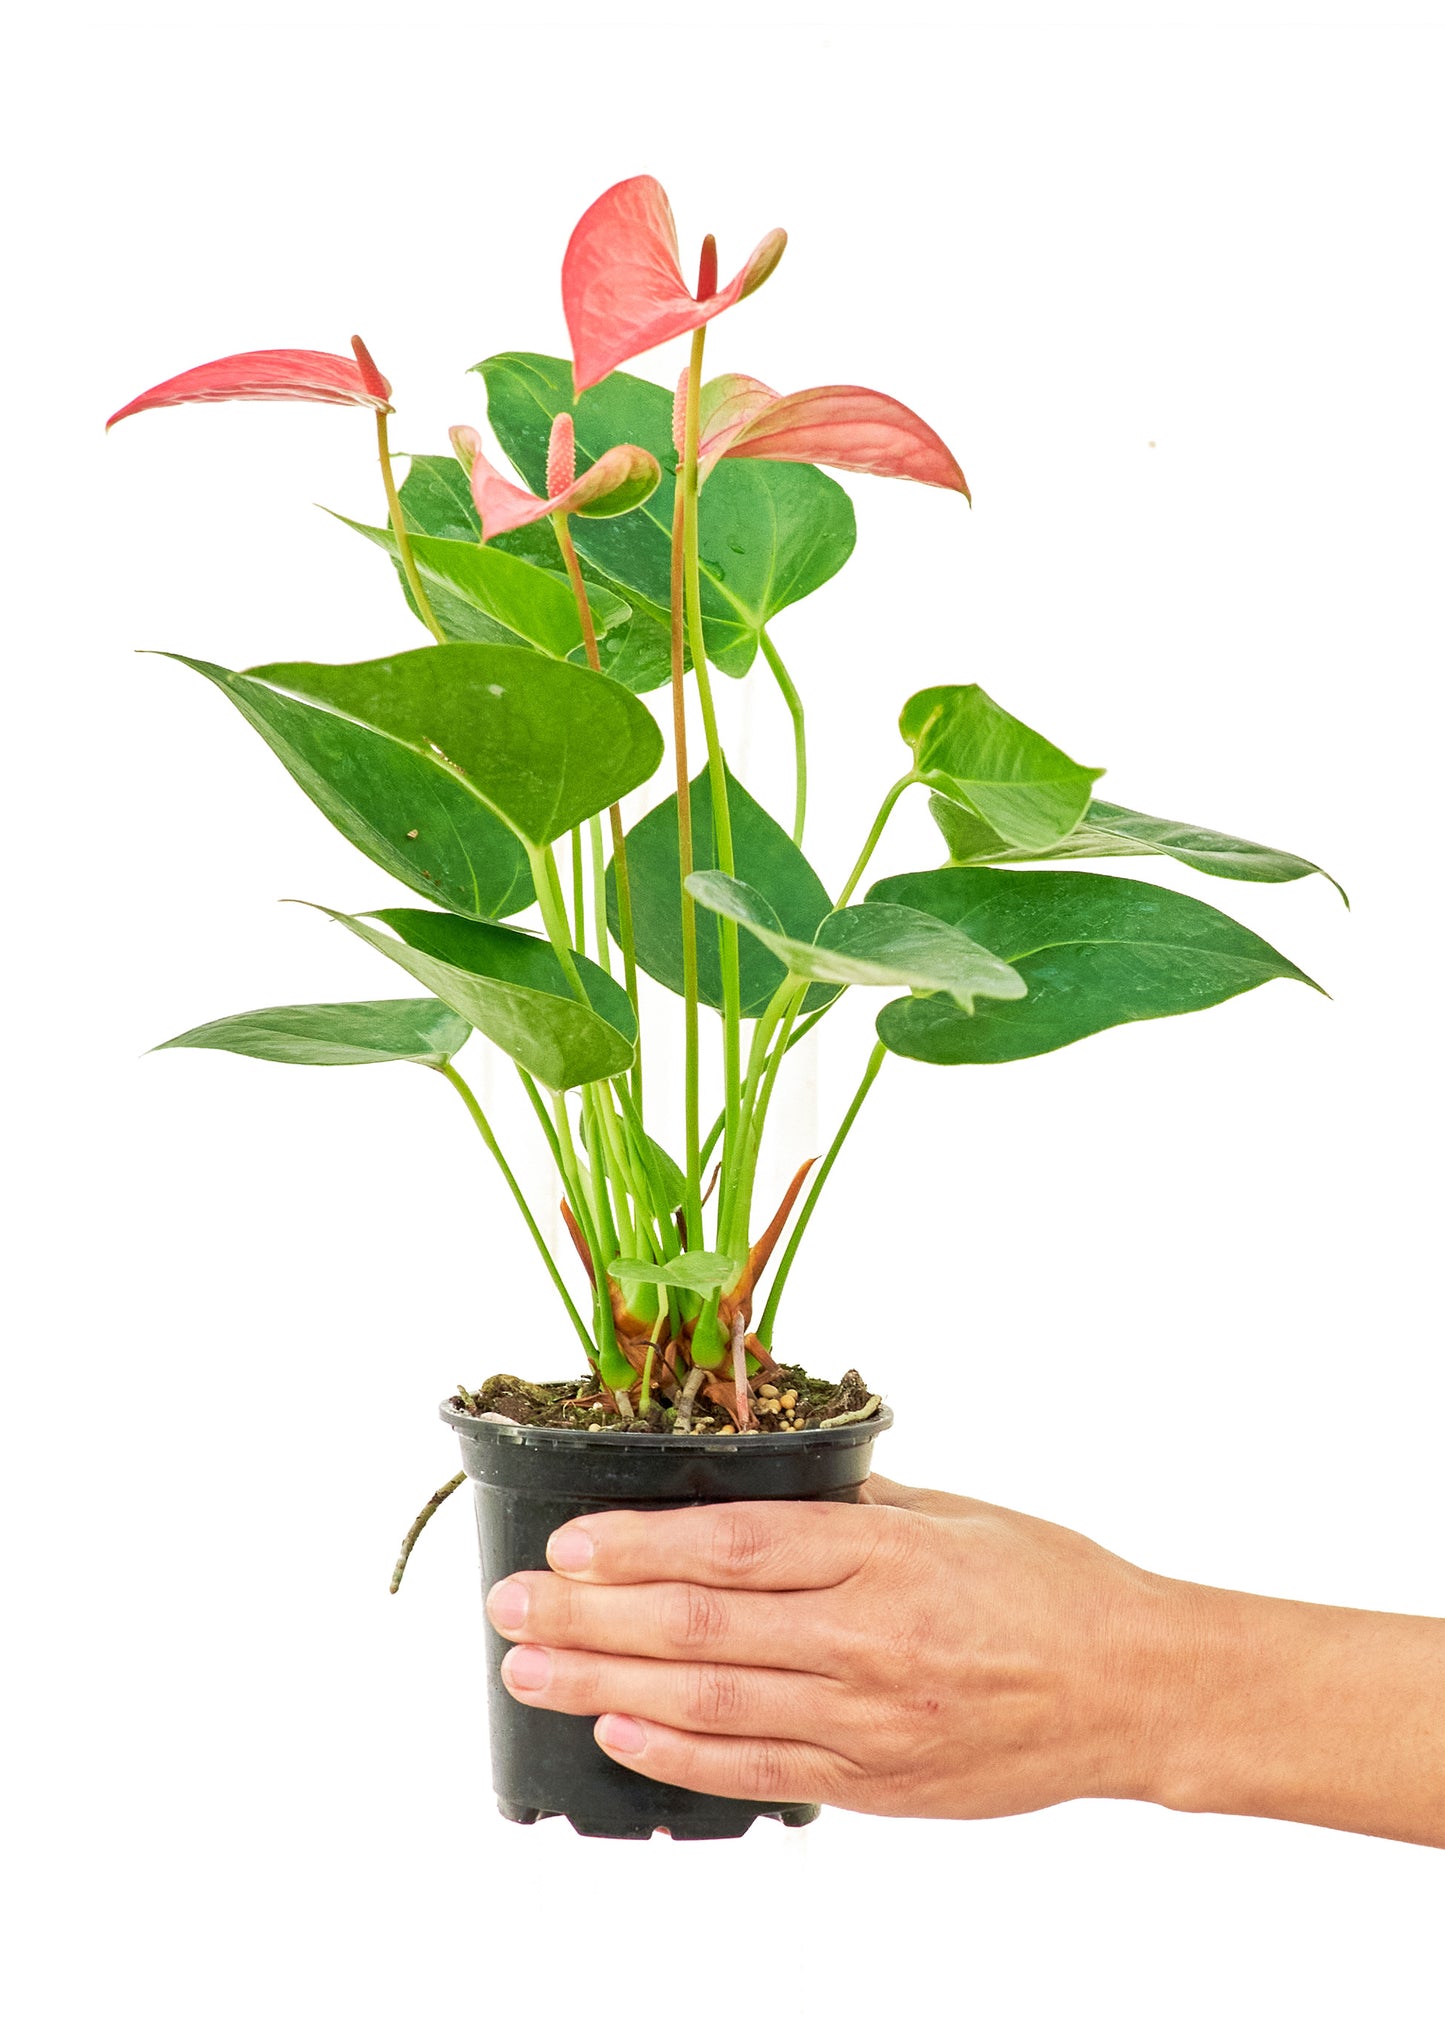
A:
x: 1166, y: 279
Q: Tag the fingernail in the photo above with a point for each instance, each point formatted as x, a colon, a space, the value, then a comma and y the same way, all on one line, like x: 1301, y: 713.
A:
x: 507, y: 1604
x: 622, y: 1733
x: 570, y: 1549
x: 528, y: 1669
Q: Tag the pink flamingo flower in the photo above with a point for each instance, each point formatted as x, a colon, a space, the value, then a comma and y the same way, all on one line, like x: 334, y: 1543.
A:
x: 620, y: 479
x: 849, y: 427
x: 273, y: 375
x: 622, y: 285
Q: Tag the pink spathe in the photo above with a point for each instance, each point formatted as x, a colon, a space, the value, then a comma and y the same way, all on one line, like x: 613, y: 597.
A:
x: 272, y: 375
x: 620, y: 479
x: 850, y: 428
x: 622, y: 284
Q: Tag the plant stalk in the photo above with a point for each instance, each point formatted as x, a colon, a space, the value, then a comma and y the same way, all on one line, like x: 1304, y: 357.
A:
x: 785, y: 1265
x: 403, y: 538
x: 880, y: 822
x: 800, y: 733
x: 692, y: 1206
x: 717, y: 770
x: 489, y: 1140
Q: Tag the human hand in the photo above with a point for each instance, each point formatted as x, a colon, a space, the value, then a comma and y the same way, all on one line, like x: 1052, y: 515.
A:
x: 916, y: 1654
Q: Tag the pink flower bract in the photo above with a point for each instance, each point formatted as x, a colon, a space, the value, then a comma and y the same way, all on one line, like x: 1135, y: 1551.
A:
x: 849, y: 427
x: 620, y: 479
x: 622, y: 285
x: 271, y: 375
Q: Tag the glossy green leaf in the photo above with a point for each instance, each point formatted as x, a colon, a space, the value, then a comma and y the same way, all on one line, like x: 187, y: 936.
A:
x: 511, y: 987
x: 1110, y: 831
x: 768, y: 533
x: 404, y: 812
x: 970, y: 751
x: 765, y: 856
x: 699, y: 1271
x: 1094, y: 951
x: 530, y: 604
x: 537, y: 741
x: 336, y: 1035
x: 874, y: 944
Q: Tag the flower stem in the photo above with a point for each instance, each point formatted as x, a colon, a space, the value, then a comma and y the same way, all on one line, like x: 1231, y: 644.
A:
x: 619, y: 841
x: 800, y: 734
x: 879, y: 824
x: 490, y: 1141
x: 717, y: 771
x: 403, y: 538
x: 548, y: 888
x: 692, y: 1206
x: 785, y: 1265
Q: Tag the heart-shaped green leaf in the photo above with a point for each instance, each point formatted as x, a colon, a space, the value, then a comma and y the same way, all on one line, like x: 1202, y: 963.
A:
x: 970, y: 751
x: 699, y: 1271
x: 874, y: 944
x: 530, y: 604
x: 766, y: 857
x: 337, y: 1035
x: 1094, y: 952
x: 511, y: 987
x: 405, y: 813
x: 1110, y: 831
x: 540, y: 743
x: 768, y: 533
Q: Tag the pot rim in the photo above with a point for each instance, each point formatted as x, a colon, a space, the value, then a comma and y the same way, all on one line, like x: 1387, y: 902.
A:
x: 514, y: 1433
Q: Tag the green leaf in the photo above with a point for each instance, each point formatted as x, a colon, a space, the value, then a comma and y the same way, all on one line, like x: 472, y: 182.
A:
x: 1110, y: 831
x: 768, y: 533
x: 337, y: 1035
x: 871, y: 944
x: 540, y: 743
x: 1094, y: 951
x: 530, y: 604
x: 971, y: 751
x: 764, y: 855
x: 511, y: 987
x: 404, y: 812
x: 699, y: 1271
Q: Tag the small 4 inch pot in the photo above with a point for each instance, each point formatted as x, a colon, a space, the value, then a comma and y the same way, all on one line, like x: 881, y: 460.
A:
x: 527, y: 1480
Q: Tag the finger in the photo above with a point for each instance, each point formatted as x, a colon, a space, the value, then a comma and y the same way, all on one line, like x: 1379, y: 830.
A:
x: 665, y: 1619
x: 705, y: 1699
x: 780, y: 1546
x: 775, y: 1772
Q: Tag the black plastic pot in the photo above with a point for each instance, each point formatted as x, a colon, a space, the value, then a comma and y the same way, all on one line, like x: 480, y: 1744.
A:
x: 529, y: 1479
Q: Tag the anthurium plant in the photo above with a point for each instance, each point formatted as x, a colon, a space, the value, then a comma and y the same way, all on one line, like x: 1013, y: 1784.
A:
x: 649, y: 540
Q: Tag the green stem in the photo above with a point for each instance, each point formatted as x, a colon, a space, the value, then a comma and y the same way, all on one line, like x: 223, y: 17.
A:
x: 754, y: 1125
x: 548, y: 887
x: 489, y: 1140
x: 879, y: 824
x: 736, y: 1158
x: 717, y: 771
x: 619, y: 842
x: 599, y: 897
x: 579, y: 893
x: 403, y: 538
x: 800, y: 733
x: 692, y: 1206
x: 780, y: 1279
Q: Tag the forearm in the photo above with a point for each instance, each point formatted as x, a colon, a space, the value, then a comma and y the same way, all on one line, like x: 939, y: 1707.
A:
x: 1286, y: 1710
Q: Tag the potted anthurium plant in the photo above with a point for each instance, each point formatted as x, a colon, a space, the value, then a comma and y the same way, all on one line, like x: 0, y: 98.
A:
x: 652, y: 539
